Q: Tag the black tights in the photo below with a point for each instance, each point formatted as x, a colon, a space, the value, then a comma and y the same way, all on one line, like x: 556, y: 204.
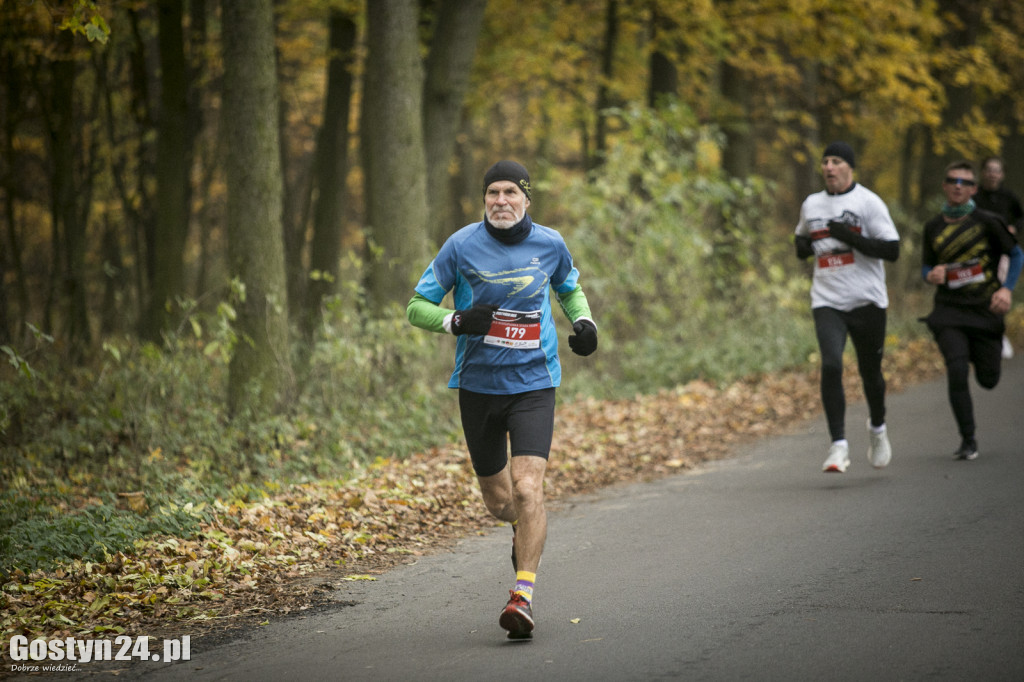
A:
x: 866, y: 328
x: 961, y: 347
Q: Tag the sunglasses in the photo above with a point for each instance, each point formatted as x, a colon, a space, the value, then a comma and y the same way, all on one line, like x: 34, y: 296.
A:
x: 960, y: 181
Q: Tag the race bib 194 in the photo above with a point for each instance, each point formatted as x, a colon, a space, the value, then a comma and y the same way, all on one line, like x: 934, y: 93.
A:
x: 835, y: 259
x: 514, y: 329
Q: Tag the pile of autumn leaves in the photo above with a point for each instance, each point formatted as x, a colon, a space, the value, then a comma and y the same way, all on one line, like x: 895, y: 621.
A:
x: 286, y: 553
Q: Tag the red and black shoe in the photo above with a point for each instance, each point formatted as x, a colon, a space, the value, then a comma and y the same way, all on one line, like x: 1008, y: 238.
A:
x: 517, y: 617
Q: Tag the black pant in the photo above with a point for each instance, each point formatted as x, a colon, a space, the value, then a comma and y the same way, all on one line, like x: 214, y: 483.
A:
x: 866, y: 328
x: 962, y: 347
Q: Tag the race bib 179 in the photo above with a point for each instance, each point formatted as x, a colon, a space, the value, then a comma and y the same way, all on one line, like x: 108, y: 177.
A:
x: 514, y: 329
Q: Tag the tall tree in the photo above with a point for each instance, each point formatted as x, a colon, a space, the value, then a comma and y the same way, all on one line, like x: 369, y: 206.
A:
x: 394, y: 160
x: 331, y: 168
x: 173, y: 163
x: 611, y: 37
x: 16, y: 67
x: 449, y: 62
x: 259, y: 366
x: 297, y: 159
x: 70, y: 224
x: 664, y: 76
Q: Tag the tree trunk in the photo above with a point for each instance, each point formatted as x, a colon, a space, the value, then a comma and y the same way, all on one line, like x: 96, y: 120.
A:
x: 928, y: 172
x: 807, y: 176
x: 173, y: 165
x: 452, y: 49
x: 65, y: 209
x: 139, y: 200
x: 10, y: 244
x: 331, y: 169
x: 740, y: 145
x: 297, y: 178
x: 611, y: 33
x: 260, y: 363
x: 907, y: 157
x: 664, y: 75
x: 960, y: 100
x: 394, y: 159
x: 1013, y: 158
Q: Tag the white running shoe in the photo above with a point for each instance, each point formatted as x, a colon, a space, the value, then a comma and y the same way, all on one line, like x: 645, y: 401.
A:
x: 1007, y: 349
x: 838, y: 459
x: 879, y: 450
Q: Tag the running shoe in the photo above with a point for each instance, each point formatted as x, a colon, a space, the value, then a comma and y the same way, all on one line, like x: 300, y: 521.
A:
x: 517, y: 617
x: 879, y: 450
x: 838, y: 459
x: 968, y: 449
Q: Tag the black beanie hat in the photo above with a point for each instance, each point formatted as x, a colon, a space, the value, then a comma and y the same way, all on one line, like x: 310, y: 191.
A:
x: 842, y: 150
x: 511, y: 171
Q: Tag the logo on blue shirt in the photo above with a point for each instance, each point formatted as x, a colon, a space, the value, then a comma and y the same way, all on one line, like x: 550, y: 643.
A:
x: 522, y: 282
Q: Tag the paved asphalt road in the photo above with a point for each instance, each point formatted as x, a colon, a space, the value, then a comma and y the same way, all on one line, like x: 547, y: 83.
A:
x: 756, y: 568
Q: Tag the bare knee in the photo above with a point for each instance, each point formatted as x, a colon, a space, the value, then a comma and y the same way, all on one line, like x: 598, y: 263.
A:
x: 528, y: 483
x: 498, y: 495
x: 498, y: 508
x: 527, y: 492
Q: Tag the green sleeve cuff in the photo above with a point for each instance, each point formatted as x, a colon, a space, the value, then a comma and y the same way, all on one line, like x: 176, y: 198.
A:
x: 574, y: 304
x: 425, y: 314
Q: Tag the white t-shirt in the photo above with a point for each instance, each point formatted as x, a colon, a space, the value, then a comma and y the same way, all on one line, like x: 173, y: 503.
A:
x: 846, y: 279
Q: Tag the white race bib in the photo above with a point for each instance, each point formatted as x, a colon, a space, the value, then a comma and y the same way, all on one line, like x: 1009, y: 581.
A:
x: 961, y: 274
x: 514, y: 329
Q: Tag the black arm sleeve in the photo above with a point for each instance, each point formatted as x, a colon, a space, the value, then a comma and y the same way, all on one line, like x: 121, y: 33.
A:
x: 876, y: 248
x: 803, y: 247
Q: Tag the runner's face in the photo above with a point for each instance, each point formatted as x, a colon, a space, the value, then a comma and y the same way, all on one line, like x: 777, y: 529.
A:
x: 992, y: 175
x: 837, y: 173
x: 959, y: 193
x: 504, y: 204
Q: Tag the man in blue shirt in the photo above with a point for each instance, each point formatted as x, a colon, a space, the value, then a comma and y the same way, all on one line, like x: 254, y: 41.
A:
x: 500, y: 272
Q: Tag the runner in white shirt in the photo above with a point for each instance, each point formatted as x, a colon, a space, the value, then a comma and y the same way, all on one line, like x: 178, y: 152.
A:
x: 849, y: 232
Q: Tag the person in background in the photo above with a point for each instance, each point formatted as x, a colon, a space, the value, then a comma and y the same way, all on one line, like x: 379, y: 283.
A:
x: 993, y: 196
x: 848, y: 230
x: 500, y: 271
x: 960, y: 253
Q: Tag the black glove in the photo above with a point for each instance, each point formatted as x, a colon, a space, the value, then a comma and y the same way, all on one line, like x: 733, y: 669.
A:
x: 842, y: 232
x: 475, y: 320
x: 584, y: 341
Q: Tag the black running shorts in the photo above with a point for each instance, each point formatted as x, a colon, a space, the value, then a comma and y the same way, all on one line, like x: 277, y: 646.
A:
x: 489, y: 422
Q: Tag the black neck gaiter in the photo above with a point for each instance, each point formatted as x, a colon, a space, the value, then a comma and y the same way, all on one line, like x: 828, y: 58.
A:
x: 512, y: 235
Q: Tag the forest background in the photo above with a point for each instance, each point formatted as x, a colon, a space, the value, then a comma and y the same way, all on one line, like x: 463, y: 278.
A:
x: 212, y: 214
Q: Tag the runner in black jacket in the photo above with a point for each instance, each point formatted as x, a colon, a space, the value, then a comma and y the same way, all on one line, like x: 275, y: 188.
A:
x: 961, y: 251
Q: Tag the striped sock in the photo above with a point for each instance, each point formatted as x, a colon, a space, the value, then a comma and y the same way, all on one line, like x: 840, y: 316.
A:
x: 524, y: 584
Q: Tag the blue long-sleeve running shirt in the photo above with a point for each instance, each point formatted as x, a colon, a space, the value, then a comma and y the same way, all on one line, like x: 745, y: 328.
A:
x: 521, y: 351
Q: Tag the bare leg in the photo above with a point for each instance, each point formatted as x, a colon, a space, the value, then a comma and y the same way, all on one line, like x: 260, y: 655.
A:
x: 497, y: 493
x: 517, y: 493
x: 528, y: 494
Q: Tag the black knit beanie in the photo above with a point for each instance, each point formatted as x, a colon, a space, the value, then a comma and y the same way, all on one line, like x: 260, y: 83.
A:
x: 511, y: 171
x: 842, y: 150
